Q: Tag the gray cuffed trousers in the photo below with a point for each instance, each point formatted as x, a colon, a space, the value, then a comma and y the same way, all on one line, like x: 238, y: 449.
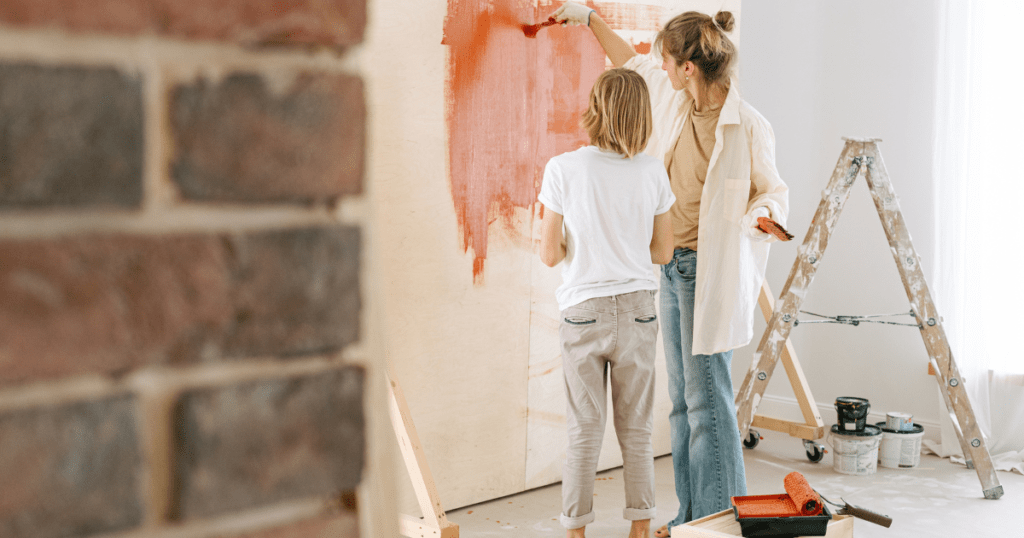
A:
x: 609, y: 339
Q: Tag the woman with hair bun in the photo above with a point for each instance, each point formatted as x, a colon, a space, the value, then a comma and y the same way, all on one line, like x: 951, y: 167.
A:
x: 720, y: 156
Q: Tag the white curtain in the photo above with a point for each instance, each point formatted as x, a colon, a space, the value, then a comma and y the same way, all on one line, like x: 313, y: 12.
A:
x: 979, y: 219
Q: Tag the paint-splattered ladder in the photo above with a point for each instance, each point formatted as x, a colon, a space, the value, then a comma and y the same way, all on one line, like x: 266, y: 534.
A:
x: 862, y: 155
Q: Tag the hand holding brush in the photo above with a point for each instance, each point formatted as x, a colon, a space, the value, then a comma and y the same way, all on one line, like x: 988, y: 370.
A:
x: 570, y: 13
x: 769, y: 226
x: 759, y: 226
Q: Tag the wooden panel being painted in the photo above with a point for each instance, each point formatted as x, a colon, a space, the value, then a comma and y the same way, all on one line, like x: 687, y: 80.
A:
x: 458, y: 349
x: 460, y: 134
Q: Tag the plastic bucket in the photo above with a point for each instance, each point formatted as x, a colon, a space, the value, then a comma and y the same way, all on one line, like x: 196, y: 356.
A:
x: 900, y: 449
x: 855, y: 453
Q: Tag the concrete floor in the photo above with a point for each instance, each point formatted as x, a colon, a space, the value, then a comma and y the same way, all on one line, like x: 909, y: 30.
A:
x: 935, y: 499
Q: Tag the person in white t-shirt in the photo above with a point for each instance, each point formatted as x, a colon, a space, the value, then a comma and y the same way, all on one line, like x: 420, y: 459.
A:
x: 613, y: 202
x: 720, y: 155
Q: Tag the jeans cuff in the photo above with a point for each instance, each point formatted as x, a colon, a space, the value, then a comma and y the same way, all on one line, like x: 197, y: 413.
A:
x: 636, y: 514
x: 576, y: 522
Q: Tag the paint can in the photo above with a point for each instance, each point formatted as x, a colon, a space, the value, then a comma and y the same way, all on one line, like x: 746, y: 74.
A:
x: 900, y: 449
x: 852, y: 413
x: 900, y: 422
x: 855, y: 453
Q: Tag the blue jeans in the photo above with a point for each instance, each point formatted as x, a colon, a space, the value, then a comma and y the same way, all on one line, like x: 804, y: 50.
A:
x: 706, y: 453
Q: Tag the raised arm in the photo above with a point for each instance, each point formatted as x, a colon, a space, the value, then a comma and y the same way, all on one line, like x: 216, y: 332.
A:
x: 618, y: 51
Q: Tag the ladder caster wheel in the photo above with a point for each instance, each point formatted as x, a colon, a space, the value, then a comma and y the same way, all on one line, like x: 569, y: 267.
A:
x: 815, y: 452
x: 752, y: 439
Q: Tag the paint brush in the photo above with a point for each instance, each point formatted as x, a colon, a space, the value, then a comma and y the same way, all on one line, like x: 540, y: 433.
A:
x: 768, y: 225
x: 530, y: 30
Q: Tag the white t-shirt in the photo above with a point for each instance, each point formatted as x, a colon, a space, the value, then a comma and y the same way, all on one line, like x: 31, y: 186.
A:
x: 608, y: 203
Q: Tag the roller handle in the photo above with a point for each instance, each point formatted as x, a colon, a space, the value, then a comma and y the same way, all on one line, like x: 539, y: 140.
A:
x: 867, y: 515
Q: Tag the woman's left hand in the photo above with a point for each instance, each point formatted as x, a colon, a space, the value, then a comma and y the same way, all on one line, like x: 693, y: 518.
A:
x: 749, y: 225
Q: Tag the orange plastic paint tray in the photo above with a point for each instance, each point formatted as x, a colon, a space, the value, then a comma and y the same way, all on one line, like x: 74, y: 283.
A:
x: 780, y: 505
x: 776, y: 516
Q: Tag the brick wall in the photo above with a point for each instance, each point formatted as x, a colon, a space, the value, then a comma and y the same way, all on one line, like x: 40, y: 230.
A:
x: 182, y: 239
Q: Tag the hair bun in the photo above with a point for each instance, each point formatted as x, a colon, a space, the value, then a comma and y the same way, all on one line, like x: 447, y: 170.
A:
x: 725, y: 20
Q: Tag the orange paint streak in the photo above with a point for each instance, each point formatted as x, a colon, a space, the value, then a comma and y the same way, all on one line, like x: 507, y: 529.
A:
x: 512, y: 103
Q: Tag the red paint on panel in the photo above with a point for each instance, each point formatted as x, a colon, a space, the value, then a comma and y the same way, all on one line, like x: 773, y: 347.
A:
x: 512, y: 103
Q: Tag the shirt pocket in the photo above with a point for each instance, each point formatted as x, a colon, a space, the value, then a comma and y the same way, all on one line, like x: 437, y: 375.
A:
x: 737, y: 194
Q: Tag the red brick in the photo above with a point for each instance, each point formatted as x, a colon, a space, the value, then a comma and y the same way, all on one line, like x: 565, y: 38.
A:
x: 330, y: 23
x: 296, y: 292
x: 112, y: 303
x: 69, y: 137
x: 240, y: 141
x: 71, y: 470
x: 255, y: 444
x: 345, y: 525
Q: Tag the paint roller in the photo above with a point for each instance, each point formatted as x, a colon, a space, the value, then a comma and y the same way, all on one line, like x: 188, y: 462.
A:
x: 804, y: 497
x: 800, y: 500
x: 808, y: 501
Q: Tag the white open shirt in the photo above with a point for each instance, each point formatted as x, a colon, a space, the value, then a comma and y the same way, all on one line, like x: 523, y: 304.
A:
x: 730, y: 265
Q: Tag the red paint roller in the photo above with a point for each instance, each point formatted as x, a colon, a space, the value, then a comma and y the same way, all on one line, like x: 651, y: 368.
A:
x: 804, y: 497
x: 530, y: 30
x: 799, y: 500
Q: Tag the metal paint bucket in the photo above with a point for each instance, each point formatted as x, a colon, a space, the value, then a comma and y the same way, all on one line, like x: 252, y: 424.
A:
x: 900, y: 422
x: 900, y: 449
x: 851, y: 413
x: 855, y: 453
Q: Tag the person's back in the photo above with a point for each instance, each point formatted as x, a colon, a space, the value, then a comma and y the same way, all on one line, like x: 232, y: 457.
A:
x: 614, y: 205
x: 608, y: 202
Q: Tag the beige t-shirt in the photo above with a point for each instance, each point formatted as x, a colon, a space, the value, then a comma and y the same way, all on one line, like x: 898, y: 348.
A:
x: 687, y: 168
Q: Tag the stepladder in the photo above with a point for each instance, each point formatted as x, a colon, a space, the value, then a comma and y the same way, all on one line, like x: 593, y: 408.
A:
x: 434, y: 523
x: 812, y: 427
x: 861, y: 157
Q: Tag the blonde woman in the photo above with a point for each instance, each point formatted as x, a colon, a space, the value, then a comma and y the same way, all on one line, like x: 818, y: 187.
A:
x: 613, y: 202
x: 720, y: 156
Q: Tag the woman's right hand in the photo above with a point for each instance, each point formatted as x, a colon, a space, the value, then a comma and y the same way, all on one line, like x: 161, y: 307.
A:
x: 573, y: 13
x: 618, y: 51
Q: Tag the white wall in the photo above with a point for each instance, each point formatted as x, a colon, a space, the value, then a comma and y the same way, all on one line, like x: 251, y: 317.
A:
x: 819, y: 71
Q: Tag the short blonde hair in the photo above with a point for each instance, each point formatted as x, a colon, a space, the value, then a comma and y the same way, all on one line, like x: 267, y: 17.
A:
x: 618, y: 117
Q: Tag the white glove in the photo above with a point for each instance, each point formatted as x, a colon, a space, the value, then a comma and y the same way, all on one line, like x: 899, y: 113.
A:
x: 573, y: 13
x: 749, y: 225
